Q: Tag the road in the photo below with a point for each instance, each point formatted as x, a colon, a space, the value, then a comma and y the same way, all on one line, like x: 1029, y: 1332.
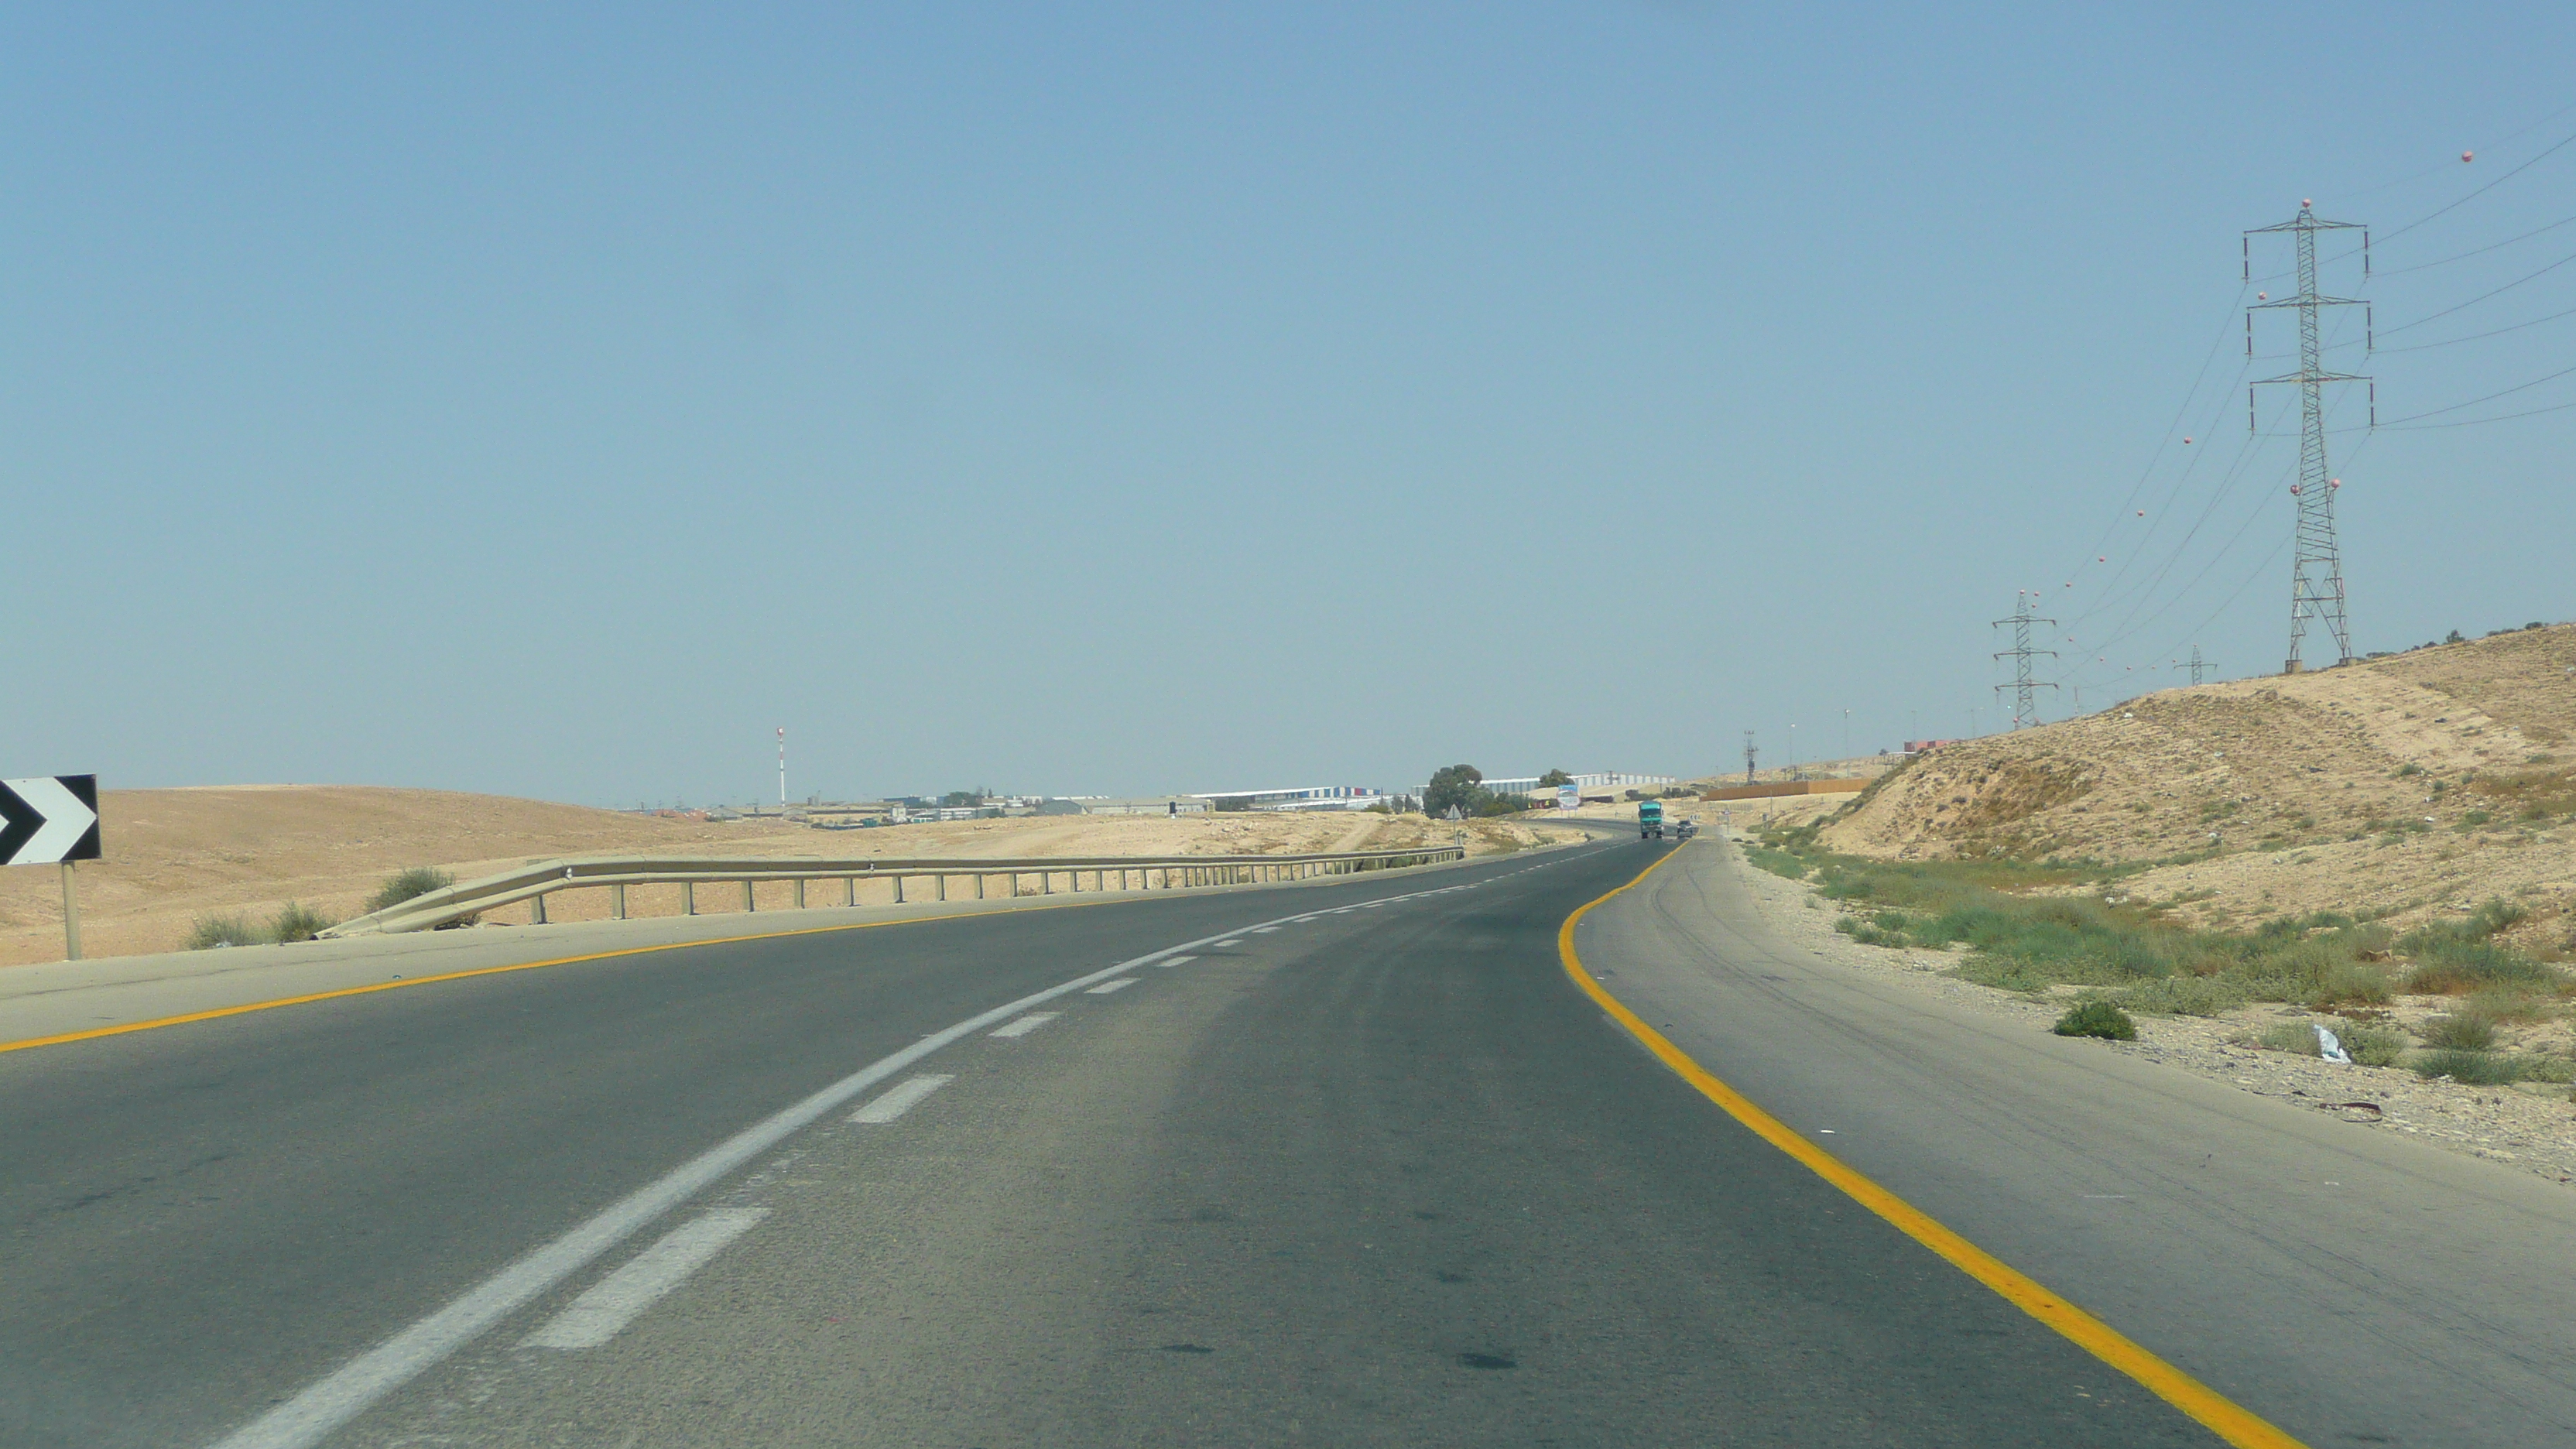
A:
x: 1351, y: 1163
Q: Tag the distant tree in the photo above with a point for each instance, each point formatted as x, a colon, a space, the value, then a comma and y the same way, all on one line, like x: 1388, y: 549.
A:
x: 962, y: 797
x: 1490, y: 803
x: 2454, y: 637
x: 1459, y: 785
x: 1554, y: 778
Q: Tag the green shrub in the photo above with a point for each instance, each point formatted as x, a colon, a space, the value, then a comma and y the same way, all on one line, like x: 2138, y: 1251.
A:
x: 2460, y: 1031
x: 405, y: 885
x: 2477, y: 1069
x: 2184, y: 996
x: 232, y: 929
x: 2457, y: 956
x: 2374, y: 1046
x: 2544, y: 1067
x: 2097, y: 1018
x: 296, y: 921
x: 2292, y: 1036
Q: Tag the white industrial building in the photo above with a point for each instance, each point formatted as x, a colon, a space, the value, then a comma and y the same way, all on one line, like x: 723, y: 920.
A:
x: 1598, y: 780
x: 1302, y: 797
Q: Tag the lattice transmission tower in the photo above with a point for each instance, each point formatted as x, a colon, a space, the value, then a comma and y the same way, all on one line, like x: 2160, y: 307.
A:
x: 2316, y: 574
x: 2195, y: 664
x: 2025, y: 713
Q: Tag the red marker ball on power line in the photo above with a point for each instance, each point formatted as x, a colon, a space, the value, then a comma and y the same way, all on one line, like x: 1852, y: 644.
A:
x: 2466, y: 155
x: 2186, y: 442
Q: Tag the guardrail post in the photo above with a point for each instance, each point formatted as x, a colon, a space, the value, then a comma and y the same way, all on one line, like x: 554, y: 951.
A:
x: 537, y: 916
x: 849, y: 890
x: 688, y: 898
x: 748, y: 905
x: 800, y: 892
x: 1046, y: 882
x: 979, y: 885
x: 943, y: 885
x: 617, y: 901
x: 898, y: 888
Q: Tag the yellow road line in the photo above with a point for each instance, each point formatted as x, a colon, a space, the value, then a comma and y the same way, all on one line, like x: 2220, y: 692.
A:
x: 2223, y: 1416
x: 95, y: 1032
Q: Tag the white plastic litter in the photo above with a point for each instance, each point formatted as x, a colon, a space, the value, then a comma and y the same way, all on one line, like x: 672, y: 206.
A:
x: 2330, y: 1047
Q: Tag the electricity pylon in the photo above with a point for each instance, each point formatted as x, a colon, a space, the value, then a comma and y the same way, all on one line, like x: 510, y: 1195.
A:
x: 2024, y: 712
x: 2316, y: 574
x: 2195, y: 664
x: 1749, y: 753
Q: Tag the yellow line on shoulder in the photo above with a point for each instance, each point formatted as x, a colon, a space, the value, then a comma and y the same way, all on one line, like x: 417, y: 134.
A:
x: 2221, y: 1415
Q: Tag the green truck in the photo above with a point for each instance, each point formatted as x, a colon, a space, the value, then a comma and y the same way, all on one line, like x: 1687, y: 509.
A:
x: 1650, y: 820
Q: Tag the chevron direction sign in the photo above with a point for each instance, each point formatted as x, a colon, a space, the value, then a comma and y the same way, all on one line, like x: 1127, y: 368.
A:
x: 48, y: 819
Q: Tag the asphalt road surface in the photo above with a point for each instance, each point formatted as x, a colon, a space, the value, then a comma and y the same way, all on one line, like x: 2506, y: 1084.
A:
x: 1340, y: 1164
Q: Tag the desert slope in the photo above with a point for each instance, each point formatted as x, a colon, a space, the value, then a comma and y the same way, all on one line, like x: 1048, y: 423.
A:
x: 2409, y: 784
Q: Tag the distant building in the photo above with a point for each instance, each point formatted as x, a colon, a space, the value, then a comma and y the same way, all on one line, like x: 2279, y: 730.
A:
x: 1600, y: 780
x: 1302, y: 797
x: 1109, y: 805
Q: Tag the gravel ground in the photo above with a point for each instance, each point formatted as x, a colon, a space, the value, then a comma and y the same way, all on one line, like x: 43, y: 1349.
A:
x: 2532, y: 1127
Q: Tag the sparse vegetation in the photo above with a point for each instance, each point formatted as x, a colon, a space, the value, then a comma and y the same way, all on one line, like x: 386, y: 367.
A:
x: 2489, y: 1069
x: 410, y: 884
x: 296, y: 921
x: 2023, y: 931
x: 2460, y: 1031
x: 232, y: 929
x: 2097, y: 1018
x: 1780, y: 862
x: 2453, y: 957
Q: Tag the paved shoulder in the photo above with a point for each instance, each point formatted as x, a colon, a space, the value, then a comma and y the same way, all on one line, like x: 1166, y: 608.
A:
x: 2351, y: 1286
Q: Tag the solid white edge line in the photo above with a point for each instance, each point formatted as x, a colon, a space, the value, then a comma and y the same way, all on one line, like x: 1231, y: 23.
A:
x: 355, y: 1386
x: 614, y: 1301
x: 901, y: 1100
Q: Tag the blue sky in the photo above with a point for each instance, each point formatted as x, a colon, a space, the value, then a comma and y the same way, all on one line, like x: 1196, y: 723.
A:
x: 1118, y: 398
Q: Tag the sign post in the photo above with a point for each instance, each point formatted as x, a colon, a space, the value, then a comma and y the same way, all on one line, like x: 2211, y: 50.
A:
x: 52, y: 820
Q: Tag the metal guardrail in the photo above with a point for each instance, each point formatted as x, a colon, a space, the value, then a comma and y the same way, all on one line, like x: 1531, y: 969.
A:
x: 615, y: 873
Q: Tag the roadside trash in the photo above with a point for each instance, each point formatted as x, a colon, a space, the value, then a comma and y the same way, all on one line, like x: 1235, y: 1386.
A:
x: 2330, y: 1047
x: 2356, y: 1111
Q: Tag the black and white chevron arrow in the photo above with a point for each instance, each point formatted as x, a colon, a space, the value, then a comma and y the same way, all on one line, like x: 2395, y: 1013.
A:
x: 48, y: 819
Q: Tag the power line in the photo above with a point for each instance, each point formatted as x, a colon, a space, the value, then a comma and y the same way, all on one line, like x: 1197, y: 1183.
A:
x: 2478, y: 252
x: 2490, y: 397
x: 2482, y: 296
x: 2480, y: 336
x: 2475, y: 422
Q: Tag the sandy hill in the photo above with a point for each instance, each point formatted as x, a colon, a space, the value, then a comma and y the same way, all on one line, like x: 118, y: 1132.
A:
x: 175, y: 855
x: 2409, y: 784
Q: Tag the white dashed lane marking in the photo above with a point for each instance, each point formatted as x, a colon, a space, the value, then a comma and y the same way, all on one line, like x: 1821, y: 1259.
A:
x: 1176, y: 960
x: 1026, y: 1024
x: 1105, y: 987
x: 901, y: 1100
x: 597, y: 1316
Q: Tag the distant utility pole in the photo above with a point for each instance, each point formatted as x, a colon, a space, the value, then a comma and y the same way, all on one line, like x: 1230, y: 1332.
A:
x: 782, y: 767
x: 2316, y: 573
x: 1749, y: 753
x: 2024, y: 712
x: 1847, y: 754
x: 2195, y: 664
